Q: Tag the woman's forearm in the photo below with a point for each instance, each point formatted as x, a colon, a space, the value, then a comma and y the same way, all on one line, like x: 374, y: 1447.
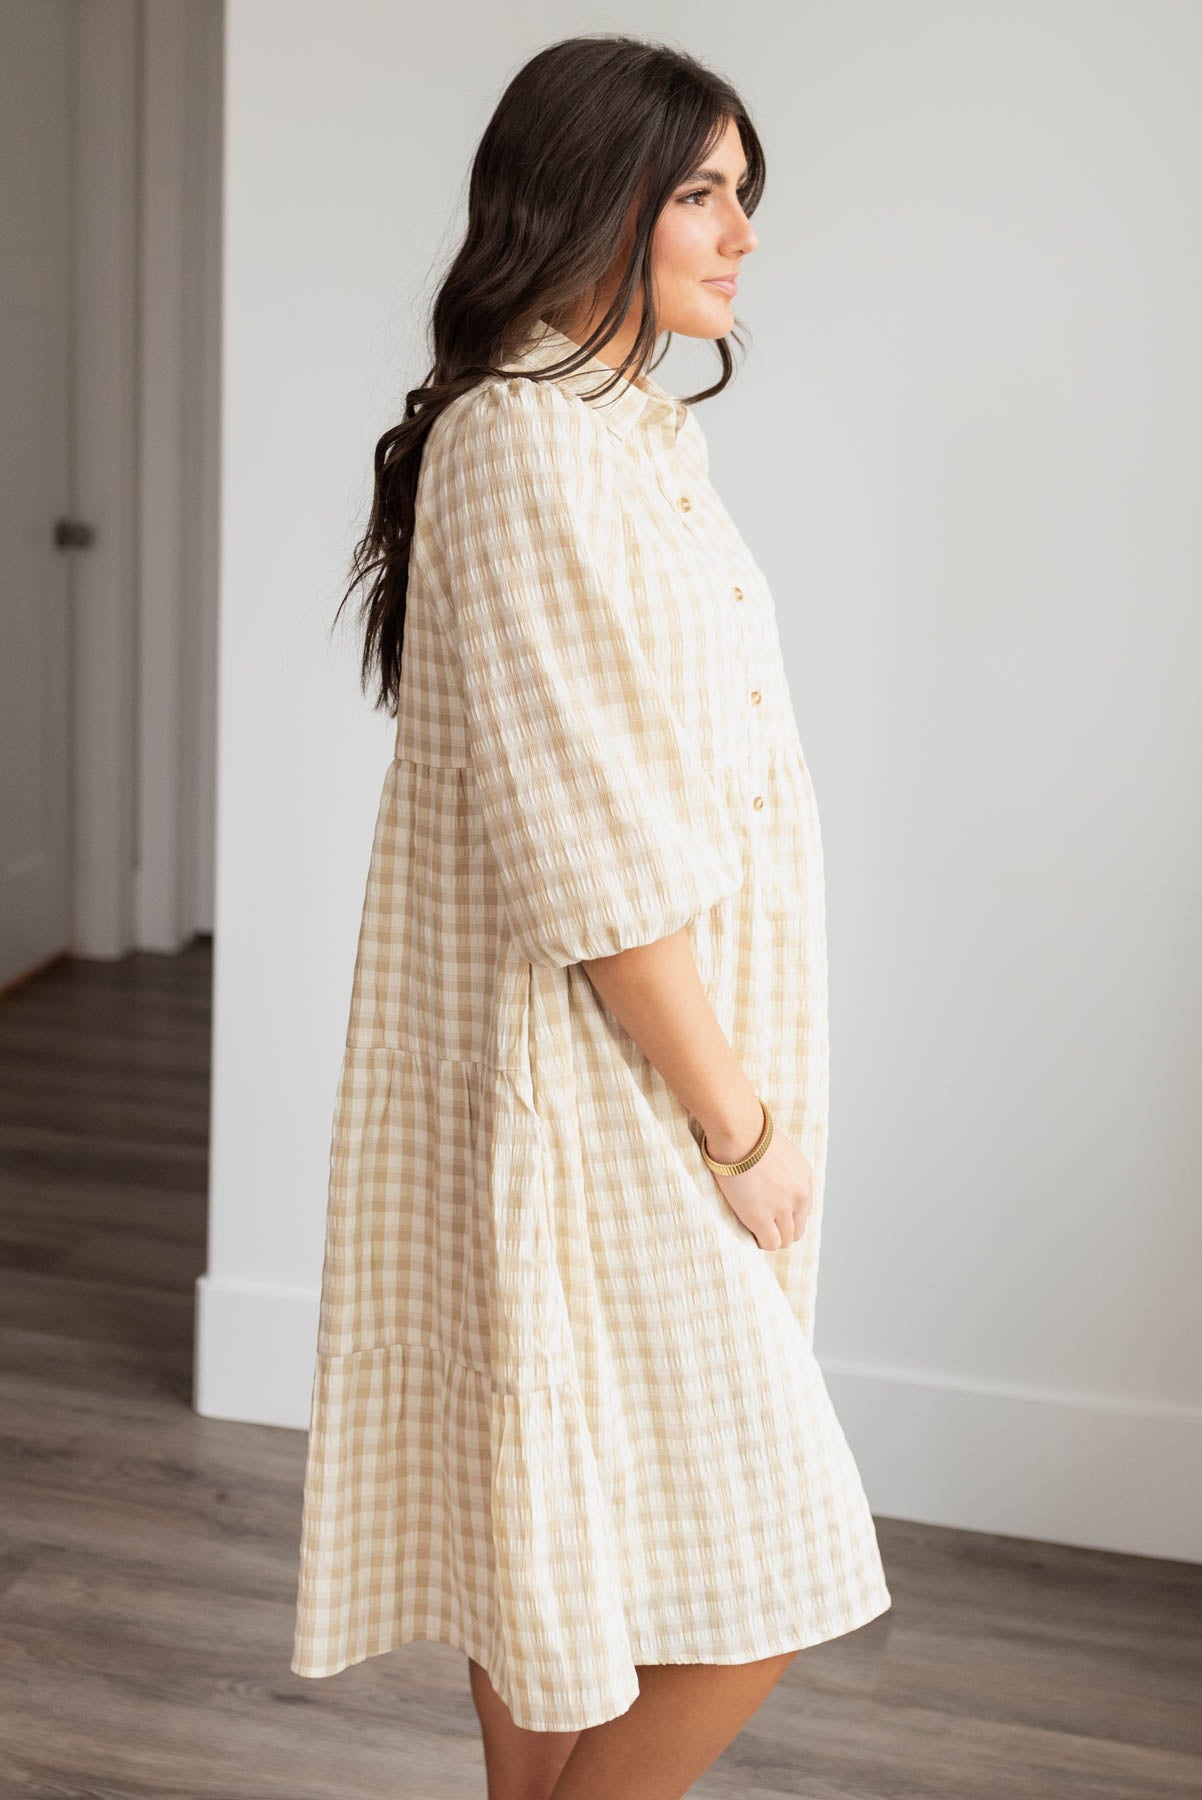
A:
x: 656, y: 994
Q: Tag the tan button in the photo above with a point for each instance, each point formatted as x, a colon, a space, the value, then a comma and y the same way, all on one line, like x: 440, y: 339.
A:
x: 738, y: 593
x: 755, y: 696
x: 685, y: 503
x: 758, y: 802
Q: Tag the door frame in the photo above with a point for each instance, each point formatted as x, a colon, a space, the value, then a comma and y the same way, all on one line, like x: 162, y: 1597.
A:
x: 148, y: 168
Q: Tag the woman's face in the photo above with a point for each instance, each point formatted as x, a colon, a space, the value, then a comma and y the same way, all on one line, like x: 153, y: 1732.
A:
x: 702, y: 234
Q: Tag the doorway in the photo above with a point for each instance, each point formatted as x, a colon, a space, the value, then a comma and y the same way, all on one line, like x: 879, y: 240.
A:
x: 110, y: 288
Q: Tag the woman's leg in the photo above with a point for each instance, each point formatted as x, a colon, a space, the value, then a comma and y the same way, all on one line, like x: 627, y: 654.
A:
x: 519, y: 1764
x: 684, y: 1717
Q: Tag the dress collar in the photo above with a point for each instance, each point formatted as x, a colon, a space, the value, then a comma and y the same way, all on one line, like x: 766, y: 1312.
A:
x: 623, y: 405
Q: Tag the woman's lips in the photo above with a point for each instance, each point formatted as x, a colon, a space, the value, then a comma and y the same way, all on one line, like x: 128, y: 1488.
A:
x: 726, y: 284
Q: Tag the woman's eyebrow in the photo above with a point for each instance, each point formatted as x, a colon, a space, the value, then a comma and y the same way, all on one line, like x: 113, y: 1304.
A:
x: 716, y: 178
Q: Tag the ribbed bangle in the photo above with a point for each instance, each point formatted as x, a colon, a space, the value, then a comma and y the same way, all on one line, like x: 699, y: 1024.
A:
x: 753, y: 1155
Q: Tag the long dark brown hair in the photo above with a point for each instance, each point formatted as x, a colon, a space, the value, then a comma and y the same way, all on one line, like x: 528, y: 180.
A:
x: 588, y: 128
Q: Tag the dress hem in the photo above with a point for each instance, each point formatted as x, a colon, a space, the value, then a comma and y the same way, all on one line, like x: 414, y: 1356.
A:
x: 655, y: 1650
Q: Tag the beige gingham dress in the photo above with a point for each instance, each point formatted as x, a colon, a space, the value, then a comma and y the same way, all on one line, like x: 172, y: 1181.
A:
x: 566, y: 1415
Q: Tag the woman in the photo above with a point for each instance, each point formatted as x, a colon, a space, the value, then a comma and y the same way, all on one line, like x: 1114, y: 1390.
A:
x: 566, y: 1413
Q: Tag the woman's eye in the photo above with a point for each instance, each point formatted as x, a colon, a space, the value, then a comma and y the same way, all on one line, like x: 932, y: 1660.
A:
x: 704, y: 193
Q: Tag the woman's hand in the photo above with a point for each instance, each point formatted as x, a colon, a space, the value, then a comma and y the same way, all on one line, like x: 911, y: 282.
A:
x: 773, y: 1199
x: 655, y: 992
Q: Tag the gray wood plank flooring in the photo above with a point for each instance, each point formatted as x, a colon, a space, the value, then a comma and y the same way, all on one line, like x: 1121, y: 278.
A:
x: 148, y: 1556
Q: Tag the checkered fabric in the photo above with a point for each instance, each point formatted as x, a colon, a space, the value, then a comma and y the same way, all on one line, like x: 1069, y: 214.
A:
x: 566, y: 1413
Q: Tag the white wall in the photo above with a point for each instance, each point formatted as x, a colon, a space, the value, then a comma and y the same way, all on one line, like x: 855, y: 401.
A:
x: 964, y: 448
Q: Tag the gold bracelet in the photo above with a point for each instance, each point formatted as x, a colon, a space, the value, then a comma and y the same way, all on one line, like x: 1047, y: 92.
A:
x: 753, y: 1155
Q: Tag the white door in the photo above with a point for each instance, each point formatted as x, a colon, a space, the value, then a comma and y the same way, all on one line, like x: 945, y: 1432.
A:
x: 37, y: 39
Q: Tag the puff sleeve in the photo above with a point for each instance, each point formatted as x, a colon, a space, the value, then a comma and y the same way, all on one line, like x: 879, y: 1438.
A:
x: 605, y: 828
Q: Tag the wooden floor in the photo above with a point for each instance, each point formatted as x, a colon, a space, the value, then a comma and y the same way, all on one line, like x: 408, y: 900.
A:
x: 148, y: 1556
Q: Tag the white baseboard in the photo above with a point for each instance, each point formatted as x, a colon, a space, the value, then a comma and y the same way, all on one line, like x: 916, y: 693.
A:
x: 1058, y: 1468
x: 255, y: 1350
x: 1061, y: 1468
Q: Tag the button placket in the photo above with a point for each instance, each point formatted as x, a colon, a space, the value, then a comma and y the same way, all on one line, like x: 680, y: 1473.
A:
x: 755, y: 698
x: 748, y: 639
